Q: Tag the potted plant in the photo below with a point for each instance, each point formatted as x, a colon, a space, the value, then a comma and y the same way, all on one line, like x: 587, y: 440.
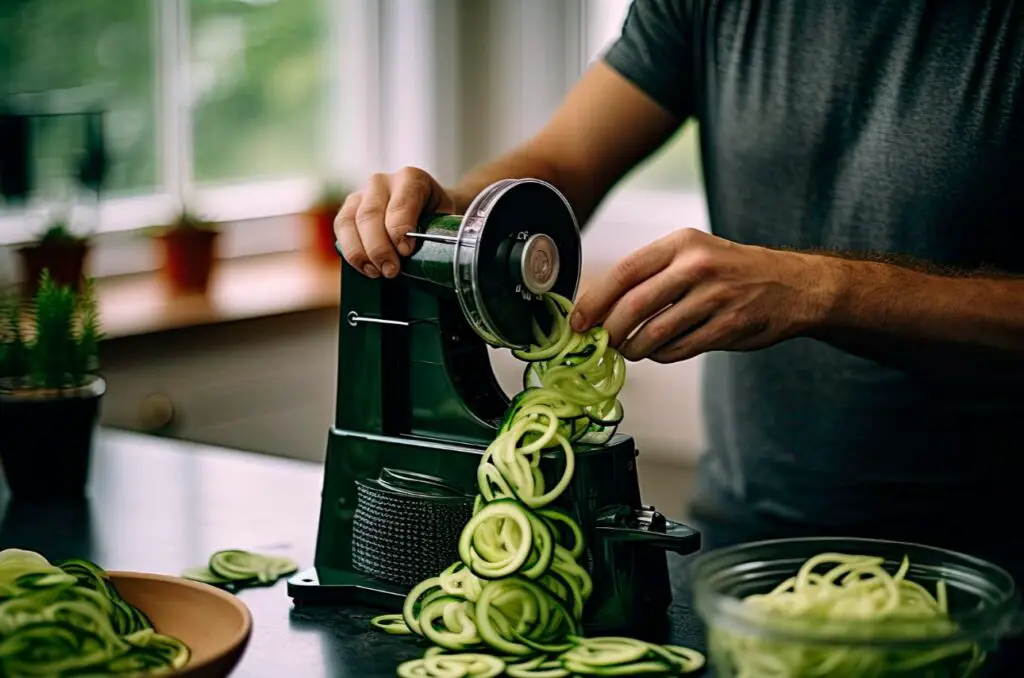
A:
x: 188, y: 249
x: 50, y: 392
x: 320, y: 221
x: 58, y: 250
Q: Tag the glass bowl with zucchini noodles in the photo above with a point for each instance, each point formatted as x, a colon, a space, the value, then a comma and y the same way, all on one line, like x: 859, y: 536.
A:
x: 842, y: 607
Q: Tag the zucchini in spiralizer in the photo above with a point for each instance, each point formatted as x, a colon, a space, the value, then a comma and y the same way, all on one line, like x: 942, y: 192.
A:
x: 68, y: 619
x: 513, y: 603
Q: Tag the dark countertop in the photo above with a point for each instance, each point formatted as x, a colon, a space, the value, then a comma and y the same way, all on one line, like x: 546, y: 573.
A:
x: 160, y: 505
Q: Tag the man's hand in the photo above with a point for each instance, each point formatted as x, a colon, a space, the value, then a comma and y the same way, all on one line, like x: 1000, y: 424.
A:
x: 372, y: 224
x: 690, y: 293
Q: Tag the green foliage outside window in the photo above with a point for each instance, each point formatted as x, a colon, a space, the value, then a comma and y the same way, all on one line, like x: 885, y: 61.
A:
x: 255, y: 69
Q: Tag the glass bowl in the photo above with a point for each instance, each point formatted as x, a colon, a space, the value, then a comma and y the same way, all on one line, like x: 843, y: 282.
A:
x: 748, y: 641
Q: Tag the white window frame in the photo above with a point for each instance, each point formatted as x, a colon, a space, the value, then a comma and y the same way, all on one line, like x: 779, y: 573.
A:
x: 259, y: 216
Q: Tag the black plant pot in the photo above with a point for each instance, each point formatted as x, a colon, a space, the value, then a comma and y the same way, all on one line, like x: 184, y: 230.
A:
x: 46, y: 441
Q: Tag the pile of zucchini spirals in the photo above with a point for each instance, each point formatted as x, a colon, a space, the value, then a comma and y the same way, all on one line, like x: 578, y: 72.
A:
x: 514, y: 601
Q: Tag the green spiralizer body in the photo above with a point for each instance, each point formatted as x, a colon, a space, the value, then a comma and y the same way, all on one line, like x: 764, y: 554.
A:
x: 418, y: 403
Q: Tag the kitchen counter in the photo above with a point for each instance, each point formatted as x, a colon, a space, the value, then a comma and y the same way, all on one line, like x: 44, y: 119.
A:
x: 161, y: 505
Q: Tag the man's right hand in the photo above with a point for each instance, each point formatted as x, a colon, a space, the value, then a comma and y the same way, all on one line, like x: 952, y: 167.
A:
x: 372, y: 224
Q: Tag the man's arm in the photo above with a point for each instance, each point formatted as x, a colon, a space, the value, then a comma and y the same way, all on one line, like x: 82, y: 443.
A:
x: 919, y: 317
x: 690, y: 293
x: 601, y: 131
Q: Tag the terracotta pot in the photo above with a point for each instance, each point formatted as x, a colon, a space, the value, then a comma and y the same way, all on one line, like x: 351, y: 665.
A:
x: 320, y: 224
x: 43, y: 462
x: 66, y: 263
x: 189, y: 255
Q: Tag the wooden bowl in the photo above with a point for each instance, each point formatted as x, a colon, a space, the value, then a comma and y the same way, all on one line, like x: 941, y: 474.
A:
x: 214, y: 624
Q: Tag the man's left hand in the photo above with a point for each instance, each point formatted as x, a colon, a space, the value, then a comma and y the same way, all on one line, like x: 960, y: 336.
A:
x: 691, y: 292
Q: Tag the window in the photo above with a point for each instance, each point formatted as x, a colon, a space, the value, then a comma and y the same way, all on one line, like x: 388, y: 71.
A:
x: 676, y: 166
x: 257, y: 80
x: 79, y: 55
x: 239, y: 109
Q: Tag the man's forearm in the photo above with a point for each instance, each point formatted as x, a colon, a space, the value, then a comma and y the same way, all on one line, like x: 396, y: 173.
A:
x: 968, y: 324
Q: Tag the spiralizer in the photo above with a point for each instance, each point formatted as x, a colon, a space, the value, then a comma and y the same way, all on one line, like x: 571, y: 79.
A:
x: 418, y: 403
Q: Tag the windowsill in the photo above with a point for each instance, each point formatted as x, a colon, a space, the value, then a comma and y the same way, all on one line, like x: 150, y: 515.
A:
x: 243, y: 288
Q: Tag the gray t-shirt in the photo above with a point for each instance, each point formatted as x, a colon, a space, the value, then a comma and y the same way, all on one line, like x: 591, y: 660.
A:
x: 895, y: 126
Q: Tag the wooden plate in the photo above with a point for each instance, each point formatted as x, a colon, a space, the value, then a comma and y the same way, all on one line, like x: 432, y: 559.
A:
x: 214, y: 624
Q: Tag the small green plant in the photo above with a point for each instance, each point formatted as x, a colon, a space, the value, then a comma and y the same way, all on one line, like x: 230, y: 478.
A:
x: 13, y: 352
x: 58, y: 233
x: 52, y: 342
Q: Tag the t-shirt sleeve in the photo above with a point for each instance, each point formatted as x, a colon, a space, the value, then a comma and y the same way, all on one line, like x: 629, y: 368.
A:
x: 655, y: 52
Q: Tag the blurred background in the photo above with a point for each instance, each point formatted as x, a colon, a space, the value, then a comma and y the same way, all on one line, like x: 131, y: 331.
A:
x: 190, y: 154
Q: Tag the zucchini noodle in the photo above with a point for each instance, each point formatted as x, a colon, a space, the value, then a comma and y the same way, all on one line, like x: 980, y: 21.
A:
x: 234, y: 569
x: 851, y: 591
x: 514, y: 601
x: 68, y: 619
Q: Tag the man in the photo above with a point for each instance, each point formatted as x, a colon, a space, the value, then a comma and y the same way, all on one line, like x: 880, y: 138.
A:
x: 860, y: 304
